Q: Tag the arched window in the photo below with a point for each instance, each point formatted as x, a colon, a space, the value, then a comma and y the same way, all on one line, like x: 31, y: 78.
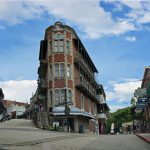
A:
x: 67, y: 46
x: 56, y: 70
x: 68, y: 71
x: 69, y: 98
x: 62, y: 96
x: 82, y: 101
x: 89, y: 106
x: 57, y: 97
x: 50, y: 74
x: 51, y: 98
x: 62, y: 70
x: 50, y: 47
x: 58, y: 45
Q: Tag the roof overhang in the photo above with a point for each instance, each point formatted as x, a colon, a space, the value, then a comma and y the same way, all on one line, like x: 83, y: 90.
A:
x: 73, y: 111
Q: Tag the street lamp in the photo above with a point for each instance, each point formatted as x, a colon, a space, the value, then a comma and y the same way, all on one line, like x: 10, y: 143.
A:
x: 67, y: 109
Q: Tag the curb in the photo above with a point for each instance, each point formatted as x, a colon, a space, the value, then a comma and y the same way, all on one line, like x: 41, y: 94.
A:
x: 143, y: 138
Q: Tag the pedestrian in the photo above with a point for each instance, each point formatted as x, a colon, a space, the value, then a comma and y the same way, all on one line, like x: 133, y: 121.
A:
x: 120, y: 130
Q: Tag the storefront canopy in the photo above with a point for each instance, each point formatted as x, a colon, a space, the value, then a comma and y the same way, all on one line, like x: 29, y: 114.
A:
x: 73, y: 111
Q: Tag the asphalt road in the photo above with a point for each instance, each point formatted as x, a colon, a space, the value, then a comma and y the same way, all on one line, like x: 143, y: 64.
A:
x: 19, y: 134
x: 118, y: 142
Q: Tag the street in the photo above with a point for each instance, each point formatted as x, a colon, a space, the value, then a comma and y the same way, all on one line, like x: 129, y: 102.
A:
x: 20, y: 134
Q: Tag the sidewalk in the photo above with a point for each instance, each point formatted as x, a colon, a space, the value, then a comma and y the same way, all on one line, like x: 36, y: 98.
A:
x: 144, y: 136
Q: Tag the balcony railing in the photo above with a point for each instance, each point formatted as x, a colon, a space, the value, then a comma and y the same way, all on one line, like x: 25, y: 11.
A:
x: 43, y: 83
x: 43, y: 61
x: 82, y: 85
x: 79, y: 58
x: 102, y: 116
x: 42, y: 97
x: 101, y: 99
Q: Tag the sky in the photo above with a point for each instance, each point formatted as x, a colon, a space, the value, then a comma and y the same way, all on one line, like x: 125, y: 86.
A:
x: 116, y: 34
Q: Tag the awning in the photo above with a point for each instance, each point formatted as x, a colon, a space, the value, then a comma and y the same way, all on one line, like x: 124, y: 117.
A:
x: 73, y: 111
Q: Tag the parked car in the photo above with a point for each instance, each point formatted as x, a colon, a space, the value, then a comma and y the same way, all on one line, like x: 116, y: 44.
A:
x: 2, y: 118
x: 7, y: 116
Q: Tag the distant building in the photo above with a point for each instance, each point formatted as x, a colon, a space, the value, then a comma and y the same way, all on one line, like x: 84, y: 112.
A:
x: 67, y: 93
x: 15, y: 108
x: 2, y: 107
x: 141, y: 111
x: 1, y: 94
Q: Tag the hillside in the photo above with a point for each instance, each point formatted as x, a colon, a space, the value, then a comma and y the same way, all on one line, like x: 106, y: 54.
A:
x: 118, y: 117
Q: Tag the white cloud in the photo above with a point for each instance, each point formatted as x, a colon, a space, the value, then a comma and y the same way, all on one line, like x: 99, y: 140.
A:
x: 89, y: 16
x: 122, y: 92
x: 20, y: 90
x: 15, y: 12
x: 134, y: 4
x: 137, y: 15
x: 114, y: 108
x: 140, y: 12
x: 131, y: 38
x: 145, y: 18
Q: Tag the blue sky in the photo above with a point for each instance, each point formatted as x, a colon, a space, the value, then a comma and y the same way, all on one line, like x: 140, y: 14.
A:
x: 116, y: 34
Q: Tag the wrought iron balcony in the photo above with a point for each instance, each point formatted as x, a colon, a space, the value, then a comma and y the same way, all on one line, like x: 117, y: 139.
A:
x: 102, y: 116
x: 42, y: 68
x: 42, y: 83
x: 43, y: 61
x: 82, y: 85
x: 101, y: 99
x: 79, y: 58
x: 42, y: 97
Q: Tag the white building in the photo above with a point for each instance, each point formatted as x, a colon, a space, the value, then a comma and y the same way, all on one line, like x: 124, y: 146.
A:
x: 15, y: 108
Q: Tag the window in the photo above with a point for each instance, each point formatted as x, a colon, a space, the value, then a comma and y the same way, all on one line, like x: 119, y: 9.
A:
x: 62, y: 70
x: 51, y: 102
x: 62, y: 99
x: 61, y: 46
x: 95, y: 109
x: 49, y: 47
x: 69, y: 99
x: 68, y: 71
x: 89, y: 106
x: 82, y: 102
x: 81, y: 79
x: 56, y: 70
x: 58, y: 45
x: 50, y: 74
x: 88, y: 85
x: 57, y: 97
x: 58, y: 36
x: 67, y: 46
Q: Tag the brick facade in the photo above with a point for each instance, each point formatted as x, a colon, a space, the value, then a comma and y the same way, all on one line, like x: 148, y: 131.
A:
x: 74, y: 74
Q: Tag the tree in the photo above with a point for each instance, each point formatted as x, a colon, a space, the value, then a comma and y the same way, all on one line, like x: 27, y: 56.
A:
x: 133, y: 101
x: 118, y: 117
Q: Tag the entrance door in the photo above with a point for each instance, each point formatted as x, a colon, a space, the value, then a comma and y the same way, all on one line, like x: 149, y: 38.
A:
x: 71, y: 123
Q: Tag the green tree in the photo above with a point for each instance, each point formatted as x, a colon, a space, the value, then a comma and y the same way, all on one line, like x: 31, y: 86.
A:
x: 118, y: 117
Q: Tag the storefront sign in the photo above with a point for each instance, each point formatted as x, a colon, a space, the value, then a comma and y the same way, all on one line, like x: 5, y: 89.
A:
x: 55, y: 124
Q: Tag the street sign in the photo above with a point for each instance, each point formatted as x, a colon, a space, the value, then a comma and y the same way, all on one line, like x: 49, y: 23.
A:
x: 137, y: 110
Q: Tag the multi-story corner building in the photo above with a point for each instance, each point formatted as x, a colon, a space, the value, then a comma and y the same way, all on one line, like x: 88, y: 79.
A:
x: 67, y: 83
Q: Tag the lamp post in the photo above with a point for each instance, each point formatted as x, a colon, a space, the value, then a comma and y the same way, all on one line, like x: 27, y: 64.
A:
x: 66, y: 111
